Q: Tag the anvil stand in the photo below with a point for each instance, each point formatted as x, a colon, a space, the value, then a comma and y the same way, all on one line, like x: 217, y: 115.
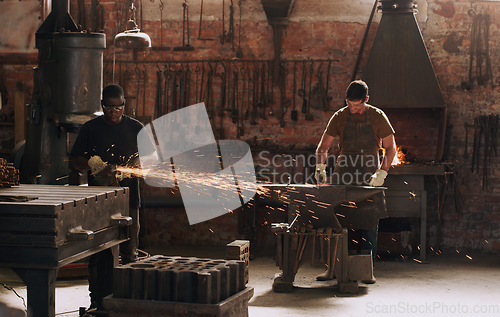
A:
x: 312, y: 211
x: 293, y: 248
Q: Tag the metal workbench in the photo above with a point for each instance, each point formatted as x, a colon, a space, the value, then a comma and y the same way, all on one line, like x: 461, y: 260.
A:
x: 44, y: 227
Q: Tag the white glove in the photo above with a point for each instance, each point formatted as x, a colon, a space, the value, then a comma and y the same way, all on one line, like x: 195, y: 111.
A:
x: 96, y: 164
x: 320, y: 173
x: 378, y: 178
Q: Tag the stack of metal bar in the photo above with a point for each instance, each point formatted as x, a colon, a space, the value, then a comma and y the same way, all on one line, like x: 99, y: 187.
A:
x: 179, y: 279
x: 9, y: 175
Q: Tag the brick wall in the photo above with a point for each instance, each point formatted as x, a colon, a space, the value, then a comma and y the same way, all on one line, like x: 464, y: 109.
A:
x: 328, y: 33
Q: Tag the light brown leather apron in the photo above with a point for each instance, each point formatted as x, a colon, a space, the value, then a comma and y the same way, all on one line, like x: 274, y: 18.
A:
x: 357, y: 161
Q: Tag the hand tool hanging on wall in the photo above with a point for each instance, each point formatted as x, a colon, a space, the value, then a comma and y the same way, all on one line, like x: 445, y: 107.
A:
x: 269, y: 98
x: 222, y: 37
x: 318, y: 94
x: 161, y: 7
x: 294, y: 114
x: 168, y: 83
x: 97, y: 22
x: 284, y: 102
x: 185, y: 30
x: 485, y: 133
x: 264, y: 89
x: 81, y: 15
x: 309, y: 115
x: 479, y: 53
x: 209, y: 92
x: 234, y: 110
x: 255, y: 89
x: 466, y: 149
x: 127, y: 80
x: 182, y: 87
x: 239, y: 52
x: 328, y: 98
x: 201, y: 97
x: 144, y: 84
x: 174, y: 105
x: 138, y: 76
x: 140, y: 12
x: 239, y: 122
x: 200, y: 26
x: 302, y: 90
x: 158, y: 99
x: 247, y: 90
x: 229, y: 36
x: 222, y: 104
x: 196, y: 77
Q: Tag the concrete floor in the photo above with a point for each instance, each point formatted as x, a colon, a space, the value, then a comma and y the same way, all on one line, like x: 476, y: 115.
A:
x: 446, y: 286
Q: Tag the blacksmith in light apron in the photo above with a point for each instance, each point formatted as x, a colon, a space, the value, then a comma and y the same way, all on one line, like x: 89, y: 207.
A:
x: 362, y: 130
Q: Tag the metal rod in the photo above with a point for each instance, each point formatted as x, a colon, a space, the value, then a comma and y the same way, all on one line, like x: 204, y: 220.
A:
x: 363, y: 41
x: 221, y: 60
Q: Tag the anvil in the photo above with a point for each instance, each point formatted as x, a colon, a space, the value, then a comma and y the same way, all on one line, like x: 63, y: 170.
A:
x: 315, y: 204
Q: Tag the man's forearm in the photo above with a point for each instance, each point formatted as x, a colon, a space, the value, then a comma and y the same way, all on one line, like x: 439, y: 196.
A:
x: 323, y: 147
x: 390, y: 153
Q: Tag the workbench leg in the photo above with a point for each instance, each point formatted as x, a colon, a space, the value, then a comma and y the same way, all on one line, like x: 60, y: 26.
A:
x: 41, y: 286
x: 423, y: 226
x: 115, y: 251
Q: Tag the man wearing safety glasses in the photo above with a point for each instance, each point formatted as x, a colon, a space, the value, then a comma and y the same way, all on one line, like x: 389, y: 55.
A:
x: 103, y: 144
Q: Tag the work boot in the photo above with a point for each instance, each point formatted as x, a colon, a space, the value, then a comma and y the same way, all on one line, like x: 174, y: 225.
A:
x: 372, y: 280
x: 325, y: 276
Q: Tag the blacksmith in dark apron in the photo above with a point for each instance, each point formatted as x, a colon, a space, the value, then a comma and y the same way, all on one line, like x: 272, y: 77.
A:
x: 362, y: 130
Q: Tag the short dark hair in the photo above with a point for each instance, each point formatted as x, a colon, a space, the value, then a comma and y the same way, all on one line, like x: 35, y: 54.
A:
x: 357, y: 90
x: 112, y: 91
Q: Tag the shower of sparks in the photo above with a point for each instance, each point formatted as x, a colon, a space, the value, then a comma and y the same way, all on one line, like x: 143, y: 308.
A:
x: 204, y: 180
x: 416, y: 260
x: 209, y: 229
x: 468, y: 257
x: 350, y: 205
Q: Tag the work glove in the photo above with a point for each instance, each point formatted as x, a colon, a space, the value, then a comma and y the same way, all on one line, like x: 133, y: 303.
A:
x: 96, y: 164
x: 377, y: 179
x: 320, y: 173
x: 121, y: 175
x: 104, y: 174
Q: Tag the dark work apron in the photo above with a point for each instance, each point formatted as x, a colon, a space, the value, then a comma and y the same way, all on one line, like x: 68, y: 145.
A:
x: 357, y: 161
